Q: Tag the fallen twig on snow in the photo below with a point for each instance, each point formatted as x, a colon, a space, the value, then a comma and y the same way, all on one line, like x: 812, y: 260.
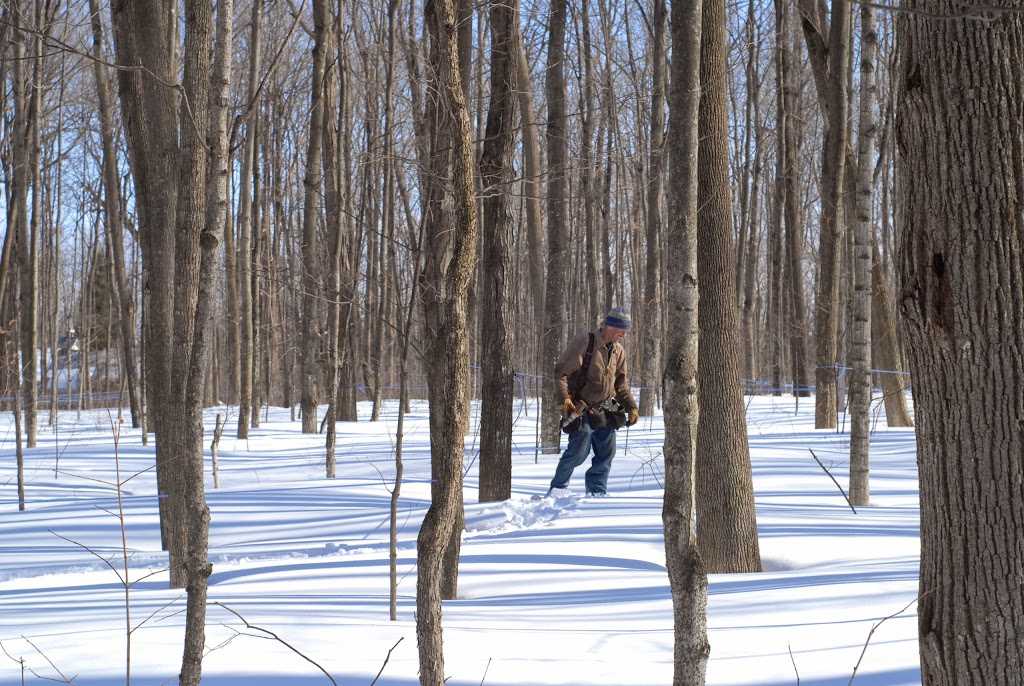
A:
x: 833, y: 480
x: 272, y: 635
x: 872, y: 633
x: 386, y: 658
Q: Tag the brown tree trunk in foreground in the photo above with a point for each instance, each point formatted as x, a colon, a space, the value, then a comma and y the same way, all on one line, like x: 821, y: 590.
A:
x: 687, y: 577
x: 450, y: 238
x: 180, y: 241
x: 959, y: 120
x: 727, y: 527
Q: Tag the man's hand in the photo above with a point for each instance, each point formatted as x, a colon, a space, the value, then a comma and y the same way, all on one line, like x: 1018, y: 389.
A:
x: 567, y: 408
x: 634, y: 416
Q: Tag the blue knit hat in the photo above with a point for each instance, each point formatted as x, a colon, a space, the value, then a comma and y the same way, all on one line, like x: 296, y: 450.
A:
x: 619, y: 318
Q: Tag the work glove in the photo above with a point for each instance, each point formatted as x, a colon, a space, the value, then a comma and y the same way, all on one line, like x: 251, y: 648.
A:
x: 567, y: 408
x: 634, y: 416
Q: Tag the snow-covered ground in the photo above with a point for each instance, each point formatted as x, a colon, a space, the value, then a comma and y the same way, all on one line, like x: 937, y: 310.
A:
x: 553, y: 590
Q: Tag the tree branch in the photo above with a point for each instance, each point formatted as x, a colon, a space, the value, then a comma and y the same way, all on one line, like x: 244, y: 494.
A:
x: 280, y: 640
x: 833, y: 480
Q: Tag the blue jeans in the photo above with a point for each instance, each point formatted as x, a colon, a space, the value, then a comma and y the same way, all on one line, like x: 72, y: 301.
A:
x: 603, y: 442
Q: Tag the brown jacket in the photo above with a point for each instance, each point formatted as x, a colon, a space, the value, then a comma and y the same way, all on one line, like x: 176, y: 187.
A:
x: 606, y: 377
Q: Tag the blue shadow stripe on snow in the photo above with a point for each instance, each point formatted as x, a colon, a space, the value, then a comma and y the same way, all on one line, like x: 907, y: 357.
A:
x: 910, y: 676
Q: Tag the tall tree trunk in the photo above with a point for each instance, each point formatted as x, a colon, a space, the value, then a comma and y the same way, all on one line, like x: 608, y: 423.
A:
x: 171, y: 174
x: 27, y: 103
x: 830, y: 65
x: 531, y: 183
x: 193, y: 300
x: 727, y: 530
x: 114, y: 223
x: 794, y: 276
x: 961, y: 226
x: 312, y: 183
x: 450, y: 226
x: 776, y: 310
x: 179, y: 261
x: 246, y: 228
x: 496, y: 284
x: 558, y: 231
x: 860, y: 333
x: 260, y: 260
x: 655, y: 197
x: 749, y: 214
x: 589, y: 272
x: 139, y: 39
x: 335, y: 191
x: 688, y: 581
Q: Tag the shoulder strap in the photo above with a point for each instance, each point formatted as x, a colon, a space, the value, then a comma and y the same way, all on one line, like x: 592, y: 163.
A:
x: 585, y: 368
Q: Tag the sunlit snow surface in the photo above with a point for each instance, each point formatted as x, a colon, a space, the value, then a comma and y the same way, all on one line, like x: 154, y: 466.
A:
x: 561, y: 589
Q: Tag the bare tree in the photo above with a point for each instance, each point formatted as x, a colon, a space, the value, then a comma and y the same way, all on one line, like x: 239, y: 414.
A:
x: 450, y: 238
x: 655, y: 219
x: 27, y: 95
x: 531, y: 181
x: 173, y: 168
x: 794, y: 273
x: 246, y: 224
x: 335, y: 198
x: 114, y: 221
x: 727, y: 535
x: 961, y: 265
x: 558, y: 231
x: 829, y: 61
x: 860, y: 343
x: 747, y: 246
x: 496, y: 281
x: 312, y: 183
x: 686, y: 573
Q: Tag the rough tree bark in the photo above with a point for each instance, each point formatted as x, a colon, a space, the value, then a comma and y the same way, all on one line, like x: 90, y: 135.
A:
x: 335, y: 195
x: 687, y: 576
x: 313, y: 183
x: 794, y: 240
x: 727, y: 527
x: 450, y: 238
x: 496, y: 282
x: 150, y: 113
x: 558, y: 276
x: 959, y: 123
x: 180, y: 245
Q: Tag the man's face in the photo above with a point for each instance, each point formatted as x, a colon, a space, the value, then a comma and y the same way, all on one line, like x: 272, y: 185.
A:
x: 613, y: 334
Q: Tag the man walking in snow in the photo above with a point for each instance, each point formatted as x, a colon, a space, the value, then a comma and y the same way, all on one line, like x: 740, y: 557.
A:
x: 591, y: 387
